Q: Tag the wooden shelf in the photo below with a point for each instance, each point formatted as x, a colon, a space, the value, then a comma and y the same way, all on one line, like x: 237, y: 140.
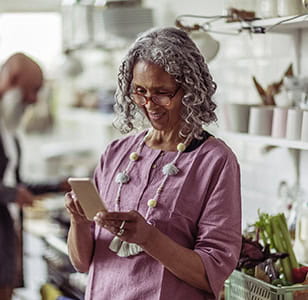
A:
x: 288, y: 24
x: 266, y: 140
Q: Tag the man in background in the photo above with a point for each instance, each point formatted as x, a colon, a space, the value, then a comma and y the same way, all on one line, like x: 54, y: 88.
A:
x: 20, y: 81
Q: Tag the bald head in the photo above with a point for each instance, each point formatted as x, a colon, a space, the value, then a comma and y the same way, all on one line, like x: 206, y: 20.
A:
x: 22, y: 72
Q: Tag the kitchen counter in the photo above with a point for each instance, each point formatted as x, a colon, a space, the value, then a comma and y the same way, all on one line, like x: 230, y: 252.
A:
x: 47, y: 223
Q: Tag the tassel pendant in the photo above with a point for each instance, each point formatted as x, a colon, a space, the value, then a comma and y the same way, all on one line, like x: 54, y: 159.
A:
x: 115, y: 244
x: 124, y: 249
x: 170, y: 169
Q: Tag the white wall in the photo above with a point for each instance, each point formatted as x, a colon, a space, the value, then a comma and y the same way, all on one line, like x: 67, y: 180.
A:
x: 167, y: 10
x: 29, y: 5
x: 267, y: 57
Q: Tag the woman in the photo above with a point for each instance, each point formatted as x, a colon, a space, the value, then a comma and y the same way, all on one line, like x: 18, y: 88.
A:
x: 173, y: 229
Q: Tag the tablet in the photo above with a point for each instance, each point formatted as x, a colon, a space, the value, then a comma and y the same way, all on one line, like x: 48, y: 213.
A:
x: 87, y: 196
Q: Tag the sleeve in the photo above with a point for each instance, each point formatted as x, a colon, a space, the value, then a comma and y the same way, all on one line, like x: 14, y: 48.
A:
x: 7, y: 194
x: 99, y: 169
x: 219, y: 228
x: 97, y: 178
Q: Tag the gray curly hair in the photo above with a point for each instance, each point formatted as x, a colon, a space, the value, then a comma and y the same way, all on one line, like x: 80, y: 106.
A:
x: 174, y: 51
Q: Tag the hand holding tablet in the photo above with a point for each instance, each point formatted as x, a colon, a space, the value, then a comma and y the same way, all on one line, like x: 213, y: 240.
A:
x: 87, y: 196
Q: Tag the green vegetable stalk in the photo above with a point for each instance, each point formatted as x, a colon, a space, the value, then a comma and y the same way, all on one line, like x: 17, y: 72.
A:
x: 287, y: 240
x: 274, y: 231
x: 280, y: 246
x: 265, y: 229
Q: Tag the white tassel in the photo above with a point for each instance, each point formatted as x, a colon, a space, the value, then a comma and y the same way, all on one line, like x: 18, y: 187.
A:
x: 134, y: 249
x: 115, y: 244
x: 122, y: 177
x: 124, y: 249
x: 129, y: 249
x: 170, y: 169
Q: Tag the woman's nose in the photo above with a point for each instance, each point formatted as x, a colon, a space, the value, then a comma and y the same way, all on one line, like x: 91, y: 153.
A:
x: 149, y: 103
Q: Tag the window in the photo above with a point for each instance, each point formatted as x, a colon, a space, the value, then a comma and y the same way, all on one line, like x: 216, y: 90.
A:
x: 37, y: 34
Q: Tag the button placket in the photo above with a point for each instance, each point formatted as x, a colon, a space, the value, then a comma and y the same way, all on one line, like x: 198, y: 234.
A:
x: 158, y: 160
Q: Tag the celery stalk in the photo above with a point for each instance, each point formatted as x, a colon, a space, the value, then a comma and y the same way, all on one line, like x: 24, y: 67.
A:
x: 287, y: 240
x: 274, y: 231
x: 278, y: 238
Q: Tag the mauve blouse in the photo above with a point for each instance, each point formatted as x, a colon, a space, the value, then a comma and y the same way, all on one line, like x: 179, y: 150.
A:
x: 199, y: 208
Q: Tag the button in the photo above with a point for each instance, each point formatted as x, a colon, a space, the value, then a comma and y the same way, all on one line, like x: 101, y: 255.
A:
x: 154, y: 166
x: 152, y: 203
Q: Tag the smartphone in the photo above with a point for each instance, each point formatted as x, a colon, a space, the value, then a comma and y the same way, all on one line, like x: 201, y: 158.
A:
x: 87, y: 195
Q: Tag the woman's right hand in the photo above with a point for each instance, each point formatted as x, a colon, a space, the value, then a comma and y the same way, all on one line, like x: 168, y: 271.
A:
x: 73, y: 207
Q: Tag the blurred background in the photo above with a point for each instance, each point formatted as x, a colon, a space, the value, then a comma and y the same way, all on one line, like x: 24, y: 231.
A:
x: 79, y: 45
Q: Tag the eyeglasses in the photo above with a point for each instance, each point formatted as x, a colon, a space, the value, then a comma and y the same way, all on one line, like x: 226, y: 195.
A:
x: 160, y: 99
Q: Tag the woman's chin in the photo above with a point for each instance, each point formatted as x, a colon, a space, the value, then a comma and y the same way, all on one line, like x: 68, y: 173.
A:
x: 157, y: 125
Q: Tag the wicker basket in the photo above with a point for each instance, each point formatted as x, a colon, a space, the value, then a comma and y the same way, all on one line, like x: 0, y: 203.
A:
x: 240, y: 286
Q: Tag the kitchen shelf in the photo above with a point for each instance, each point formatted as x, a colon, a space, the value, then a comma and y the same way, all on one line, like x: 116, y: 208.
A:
x: 287, y: 24
x: 266, y: 140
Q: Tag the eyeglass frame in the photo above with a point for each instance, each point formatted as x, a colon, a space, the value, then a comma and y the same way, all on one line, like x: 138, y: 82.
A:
x: 147, y: 99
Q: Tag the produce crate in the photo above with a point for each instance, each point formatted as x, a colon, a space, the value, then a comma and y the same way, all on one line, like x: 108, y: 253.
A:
x: 240, y: 286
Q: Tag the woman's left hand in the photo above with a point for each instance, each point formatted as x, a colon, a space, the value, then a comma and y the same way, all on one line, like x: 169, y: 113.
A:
x: 128, y: 226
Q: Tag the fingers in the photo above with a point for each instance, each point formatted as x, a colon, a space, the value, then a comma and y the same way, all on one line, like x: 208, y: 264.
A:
x: 122, y: 224
x: 78, y: 207
x: 109, y: 224
x: 124, y: 228
x: 72, y: 205
x: 128, y: 226
x: 130, y: 216
x: 114, y: 219
x: 69, y: 203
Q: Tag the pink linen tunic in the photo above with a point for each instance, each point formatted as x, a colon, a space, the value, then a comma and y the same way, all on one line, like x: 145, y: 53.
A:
x: 199, y: 208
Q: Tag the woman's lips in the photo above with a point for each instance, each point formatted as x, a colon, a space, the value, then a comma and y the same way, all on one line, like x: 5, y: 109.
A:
x: 155, y: 115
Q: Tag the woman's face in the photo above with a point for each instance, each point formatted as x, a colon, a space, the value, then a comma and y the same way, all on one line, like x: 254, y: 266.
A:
x: 150, y: 79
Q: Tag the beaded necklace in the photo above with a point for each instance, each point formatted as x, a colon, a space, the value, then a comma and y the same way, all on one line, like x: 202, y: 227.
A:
x: 123, y: 248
